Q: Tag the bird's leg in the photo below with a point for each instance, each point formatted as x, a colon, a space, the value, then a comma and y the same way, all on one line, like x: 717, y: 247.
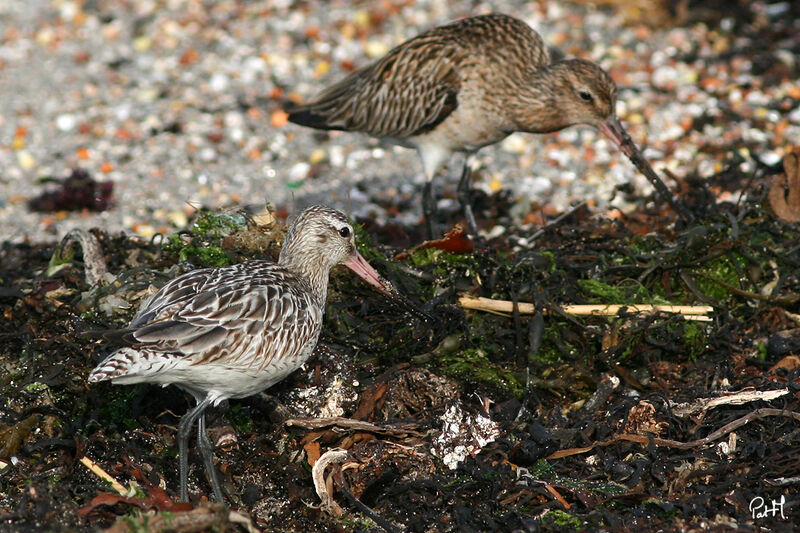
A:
x: 465, y: 196
x: 428, y: 207
x: 207, y: 451
x: 184, y: 428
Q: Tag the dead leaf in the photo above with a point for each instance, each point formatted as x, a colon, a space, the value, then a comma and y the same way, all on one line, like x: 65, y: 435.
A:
x: 13, y: 436
x: 209, y: 518
x: 107, y: 498
x: 787, y: 205
x: 312, y: 451
x: 642, y: 422
x: 790, y: 362
x: 454, y: 242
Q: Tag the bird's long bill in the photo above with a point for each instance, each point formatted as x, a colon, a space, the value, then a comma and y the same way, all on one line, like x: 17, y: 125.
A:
x: 612, y: 128
x: 359, y: 265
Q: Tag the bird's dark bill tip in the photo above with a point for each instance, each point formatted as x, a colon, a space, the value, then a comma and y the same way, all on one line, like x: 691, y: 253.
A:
x: 360, y: 266
x: 614, y: 130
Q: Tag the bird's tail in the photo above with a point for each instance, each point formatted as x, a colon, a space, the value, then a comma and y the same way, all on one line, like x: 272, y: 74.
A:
x: 310, y: 116
x: 115, y: 366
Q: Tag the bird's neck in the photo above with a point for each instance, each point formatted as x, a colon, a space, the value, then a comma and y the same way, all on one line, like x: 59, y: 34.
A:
x: 537, y: 108
x: 307, y: 268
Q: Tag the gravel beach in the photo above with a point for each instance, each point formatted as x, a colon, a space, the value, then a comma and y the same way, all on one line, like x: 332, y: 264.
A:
x: 178, y: 104
x: 613, y: 369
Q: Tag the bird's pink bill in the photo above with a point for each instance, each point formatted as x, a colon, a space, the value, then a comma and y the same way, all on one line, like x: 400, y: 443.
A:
x: 359, y: 265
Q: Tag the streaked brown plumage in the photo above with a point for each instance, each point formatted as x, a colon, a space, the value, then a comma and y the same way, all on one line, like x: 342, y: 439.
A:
x: 231, y: 332
x: 466, y: 85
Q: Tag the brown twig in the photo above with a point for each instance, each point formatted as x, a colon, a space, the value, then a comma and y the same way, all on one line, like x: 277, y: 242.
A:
x: 396, y: 430
x: 361, y: 506
x: 552, y: 490
x: 721, y: 432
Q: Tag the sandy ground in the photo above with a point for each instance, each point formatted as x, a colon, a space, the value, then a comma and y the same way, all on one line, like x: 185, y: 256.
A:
x: 177, y: 103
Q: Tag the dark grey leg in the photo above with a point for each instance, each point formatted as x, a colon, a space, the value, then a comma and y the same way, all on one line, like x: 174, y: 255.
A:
x: 184, y: 428
x: 429, y: 207
x: 464, y: 196
x: 207, y: 451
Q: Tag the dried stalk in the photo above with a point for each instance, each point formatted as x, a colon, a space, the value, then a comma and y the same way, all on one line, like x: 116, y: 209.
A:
x: 689, y: 312
x: 105, y: 476
x: 735, y: 398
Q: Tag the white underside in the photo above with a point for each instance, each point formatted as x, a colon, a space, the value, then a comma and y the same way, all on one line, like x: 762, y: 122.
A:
x: 217, y: 381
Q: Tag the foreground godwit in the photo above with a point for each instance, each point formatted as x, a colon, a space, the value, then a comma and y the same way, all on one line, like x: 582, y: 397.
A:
x: 468, y: 84
x: 231, y: 332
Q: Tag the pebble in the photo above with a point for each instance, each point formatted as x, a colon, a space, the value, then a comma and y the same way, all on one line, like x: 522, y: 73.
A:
x: 25, y: 159
x: 375, y: 49
x: 65, y: 122
x: 317, y: 156
x: 299, y: 171
x: 219, y: 82
x: 514, y: 144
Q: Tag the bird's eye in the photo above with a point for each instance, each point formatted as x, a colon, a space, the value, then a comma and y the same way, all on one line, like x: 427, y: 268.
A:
x: 586, y: 96
x: 344, y: 232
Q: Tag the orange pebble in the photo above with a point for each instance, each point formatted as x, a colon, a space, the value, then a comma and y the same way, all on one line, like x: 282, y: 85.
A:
x: 642, y: 32
x: 106, y: 167
x: 278, y: 118
x: 276, y: 93
x: 533, y: 218
x: 254, y: 154
x: 711, y: 83
x: 190, y: 56
x: 22, y: 131
x: 794, y: 92
x: 83, y: 154
x: 615, y: 214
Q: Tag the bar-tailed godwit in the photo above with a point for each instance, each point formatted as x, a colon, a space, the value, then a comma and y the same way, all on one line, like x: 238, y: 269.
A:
x: 230, y: 332
x: 466, y: 85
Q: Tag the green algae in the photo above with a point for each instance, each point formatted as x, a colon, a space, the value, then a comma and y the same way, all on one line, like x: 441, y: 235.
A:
x: 473, y: 365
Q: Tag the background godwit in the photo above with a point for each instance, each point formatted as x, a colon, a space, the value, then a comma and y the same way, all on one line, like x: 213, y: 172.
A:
x: 466, y: 85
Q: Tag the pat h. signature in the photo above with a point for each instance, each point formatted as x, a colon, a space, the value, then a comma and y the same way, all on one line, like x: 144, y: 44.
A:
x: 760, y: 509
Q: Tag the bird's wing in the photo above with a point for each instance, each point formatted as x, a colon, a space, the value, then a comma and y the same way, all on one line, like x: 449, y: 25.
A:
x: 416, y: 85
x: 246, y: 325
x: 407, y: 92
x: 248, y: 311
